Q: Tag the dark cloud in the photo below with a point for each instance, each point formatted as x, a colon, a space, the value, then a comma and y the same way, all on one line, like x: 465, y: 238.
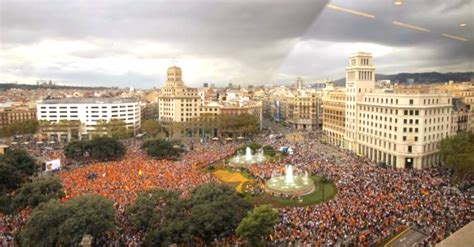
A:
x: 256, y: 39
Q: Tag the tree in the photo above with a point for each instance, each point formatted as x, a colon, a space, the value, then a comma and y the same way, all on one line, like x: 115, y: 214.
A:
x: 21, y: 128
x: 457, y: 153
x: 211, y: 210
x: 99, y: 148
x: 162, y: 149
x: 63, y: 224
x: 15, y: 166
x: 146, y: 211
x: 38, y: 191
x: 21, y: 160
x: 10, y: 177
x: 105, y: 148
x: 215, y: 210
x: 115, y: 128
x: 152, y: 128
x: 257, y: 224
x: 243, y: 124
x: 75, y: 150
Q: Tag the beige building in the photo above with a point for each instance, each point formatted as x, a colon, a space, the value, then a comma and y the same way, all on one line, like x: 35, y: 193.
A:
x: 400, y: 127
x: 182, y: 109
x: 11, y: 113
x: 178, y: 103
x: 304, y: 109
x: 334, y: 115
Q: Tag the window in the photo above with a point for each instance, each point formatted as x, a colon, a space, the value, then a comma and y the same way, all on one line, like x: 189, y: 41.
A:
x: 409, y: 149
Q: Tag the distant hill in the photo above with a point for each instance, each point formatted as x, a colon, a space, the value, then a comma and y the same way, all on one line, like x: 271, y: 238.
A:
x: 427, y: 77
x: 7, y: 86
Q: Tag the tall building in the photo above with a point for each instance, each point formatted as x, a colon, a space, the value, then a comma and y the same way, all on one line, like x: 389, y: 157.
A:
x: 182, y: 109
x: 400, y: 128
x: 360, y: 79
x: 178, y: 103
x: 299, y: 83
x: 304, y: 110
x: 334, y: 115
x: 77, y: 118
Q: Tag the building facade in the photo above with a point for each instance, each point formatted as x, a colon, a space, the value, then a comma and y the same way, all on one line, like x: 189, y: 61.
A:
x: 14, y: 113
x: 334, y: 115
x: 400, y: 128
x: 77, y: 118
x: 187, y: 112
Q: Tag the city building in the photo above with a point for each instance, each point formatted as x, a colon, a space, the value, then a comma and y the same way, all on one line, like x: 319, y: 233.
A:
x: 77, y: 118
x: 304, y: 110
x: 401, y: 128
x: 178, y: 103
x: 334, y: 114
x: 186, y: 112
x: 13, y: 112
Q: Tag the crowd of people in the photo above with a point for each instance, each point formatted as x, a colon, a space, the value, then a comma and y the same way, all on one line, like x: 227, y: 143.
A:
x: 372, y: 203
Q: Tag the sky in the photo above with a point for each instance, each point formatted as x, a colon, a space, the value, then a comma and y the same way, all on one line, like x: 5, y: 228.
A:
x: 259, y: 42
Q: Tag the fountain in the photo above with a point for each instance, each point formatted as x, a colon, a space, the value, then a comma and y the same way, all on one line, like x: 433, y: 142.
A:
x: 243, y: 160
x: 248, y: 154
x: 290, y: 184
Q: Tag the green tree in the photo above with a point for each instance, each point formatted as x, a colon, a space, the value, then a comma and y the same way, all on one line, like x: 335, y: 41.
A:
x: 162, y: 149
x: 146, y: 211
x: 75, y: 150
x: 211, y: 210
x: 63, y: 224
x: 457, y: 153
x: 100, y: 148
x: 257, y: 224
x: 152, y: 128
x: 215, y: 210
x: 21, y: 160
x: 115, y: 128
x: 15, y: 166
x: 10, y: 177
x: 38, y: 191
x: 20, y: 128
x: 105, y: 148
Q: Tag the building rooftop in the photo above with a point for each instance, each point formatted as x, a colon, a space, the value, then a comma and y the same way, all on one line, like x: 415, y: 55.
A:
x: 88, y: 101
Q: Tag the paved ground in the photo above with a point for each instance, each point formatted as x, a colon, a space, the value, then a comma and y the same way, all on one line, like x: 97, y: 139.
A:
x: 407, y: 238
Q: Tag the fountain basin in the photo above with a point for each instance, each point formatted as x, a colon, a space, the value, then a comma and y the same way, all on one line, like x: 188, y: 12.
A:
x: 278, y: 186
x: 244, y: 160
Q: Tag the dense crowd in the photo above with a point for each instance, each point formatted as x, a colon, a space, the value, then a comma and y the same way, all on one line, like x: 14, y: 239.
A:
x: 372, y: 203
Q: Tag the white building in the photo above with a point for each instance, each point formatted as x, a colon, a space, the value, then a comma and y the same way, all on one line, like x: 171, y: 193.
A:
x: 402, y: 130
x: 88, y: 111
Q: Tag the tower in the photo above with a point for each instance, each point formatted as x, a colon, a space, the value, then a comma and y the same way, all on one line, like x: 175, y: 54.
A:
x: 360, y: 79
x: 299, y: 83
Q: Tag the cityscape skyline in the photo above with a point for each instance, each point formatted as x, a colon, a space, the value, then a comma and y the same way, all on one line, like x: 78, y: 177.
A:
x: 114, y: 48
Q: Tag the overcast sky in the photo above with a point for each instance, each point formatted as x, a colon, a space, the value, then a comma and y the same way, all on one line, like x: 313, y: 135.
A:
x: 131, y: 43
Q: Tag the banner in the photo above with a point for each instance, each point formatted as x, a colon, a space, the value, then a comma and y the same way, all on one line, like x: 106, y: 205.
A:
x: 53, y: 165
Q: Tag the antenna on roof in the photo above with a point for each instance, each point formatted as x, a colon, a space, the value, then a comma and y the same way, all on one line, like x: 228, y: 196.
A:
x: 174, y: 61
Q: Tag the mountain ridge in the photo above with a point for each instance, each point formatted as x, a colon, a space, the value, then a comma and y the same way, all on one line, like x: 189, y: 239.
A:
x: 424, y: 77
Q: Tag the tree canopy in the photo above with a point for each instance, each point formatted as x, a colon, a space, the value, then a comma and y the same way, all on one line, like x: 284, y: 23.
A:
x: 100, y: 148
x: 257, y: 224
x: 152, y: 128
x: 38, y: 191
x: 21, y: 128
x: 211, y: 210
x: 63, y: 224
x: 162, y: 149
x: 457, y: 153
x: 15, y: 166
x: 115, y: 128
x: 243, y: 124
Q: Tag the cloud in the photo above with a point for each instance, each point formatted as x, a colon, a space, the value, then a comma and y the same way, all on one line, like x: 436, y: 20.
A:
x: 244, y: 42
